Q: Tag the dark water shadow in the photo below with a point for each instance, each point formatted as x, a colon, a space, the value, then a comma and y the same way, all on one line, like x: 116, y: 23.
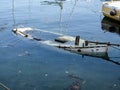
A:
x: 109, y: 25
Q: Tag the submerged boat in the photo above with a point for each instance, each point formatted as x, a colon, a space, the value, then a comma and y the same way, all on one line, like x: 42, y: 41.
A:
x: 111, y: 9
x: 66, y: 42
x: 69, y: 43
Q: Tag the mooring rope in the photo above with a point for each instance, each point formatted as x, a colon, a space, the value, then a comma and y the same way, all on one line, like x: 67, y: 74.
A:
x: 115, y: 48
x: 2, y: 85
x: 71, y: 13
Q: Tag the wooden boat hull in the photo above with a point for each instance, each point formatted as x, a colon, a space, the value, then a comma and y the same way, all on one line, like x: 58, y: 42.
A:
x: 91, y: 52
x: 110, y: 10
x: 88, y: 50
x: 93, y: 49
x: 69, y: 44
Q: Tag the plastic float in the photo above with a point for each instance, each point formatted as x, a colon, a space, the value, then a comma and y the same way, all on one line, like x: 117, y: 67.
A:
x: 111, y: 9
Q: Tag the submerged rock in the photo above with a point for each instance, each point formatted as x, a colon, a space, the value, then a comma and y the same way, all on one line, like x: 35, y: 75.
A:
x: 74, y: 86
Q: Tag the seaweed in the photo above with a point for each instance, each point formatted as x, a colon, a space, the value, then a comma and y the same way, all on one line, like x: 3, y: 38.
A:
x: 74, y: 86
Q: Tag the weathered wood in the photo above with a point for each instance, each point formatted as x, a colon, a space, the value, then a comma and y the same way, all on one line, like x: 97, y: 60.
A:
x: 106, y: 43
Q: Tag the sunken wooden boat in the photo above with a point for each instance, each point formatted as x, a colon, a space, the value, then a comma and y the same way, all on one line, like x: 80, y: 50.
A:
x: 111, y: 9
x: 69, y: 43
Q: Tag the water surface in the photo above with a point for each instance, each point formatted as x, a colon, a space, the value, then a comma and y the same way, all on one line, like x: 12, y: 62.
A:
x: 28, y: 65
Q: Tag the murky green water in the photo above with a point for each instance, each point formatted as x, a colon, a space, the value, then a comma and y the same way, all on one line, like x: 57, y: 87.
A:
x: 28, y: 65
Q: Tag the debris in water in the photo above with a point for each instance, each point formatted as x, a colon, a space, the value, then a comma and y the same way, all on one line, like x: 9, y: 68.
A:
x: 7, y: 45
x: 66, y: 72
x: 114, y: 85
x: 46, y: 74
x: 19, y: 71
x: 72, y: 76
x: 84, y: 82
x: 26, y: 53
x: 74, y: 86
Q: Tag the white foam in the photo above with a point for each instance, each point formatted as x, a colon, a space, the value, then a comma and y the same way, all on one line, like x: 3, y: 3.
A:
x: 23, y: 29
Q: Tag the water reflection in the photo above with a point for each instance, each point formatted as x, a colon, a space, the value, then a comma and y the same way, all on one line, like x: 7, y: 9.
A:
x: 13, y: 12
x: 56, y: 3
x: 110, y: 25
x: 60, y: 3
x: 103, y: 56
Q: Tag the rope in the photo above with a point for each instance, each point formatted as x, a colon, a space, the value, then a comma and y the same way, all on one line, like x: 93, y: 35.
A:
x: 115, y: 48
x: 13, y: 12
x: 115, y: 57
x: 73, y: 8
x: 60, y: 19
x: 2, y: 85
x: 71, y: 13
x: 106, y: 43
